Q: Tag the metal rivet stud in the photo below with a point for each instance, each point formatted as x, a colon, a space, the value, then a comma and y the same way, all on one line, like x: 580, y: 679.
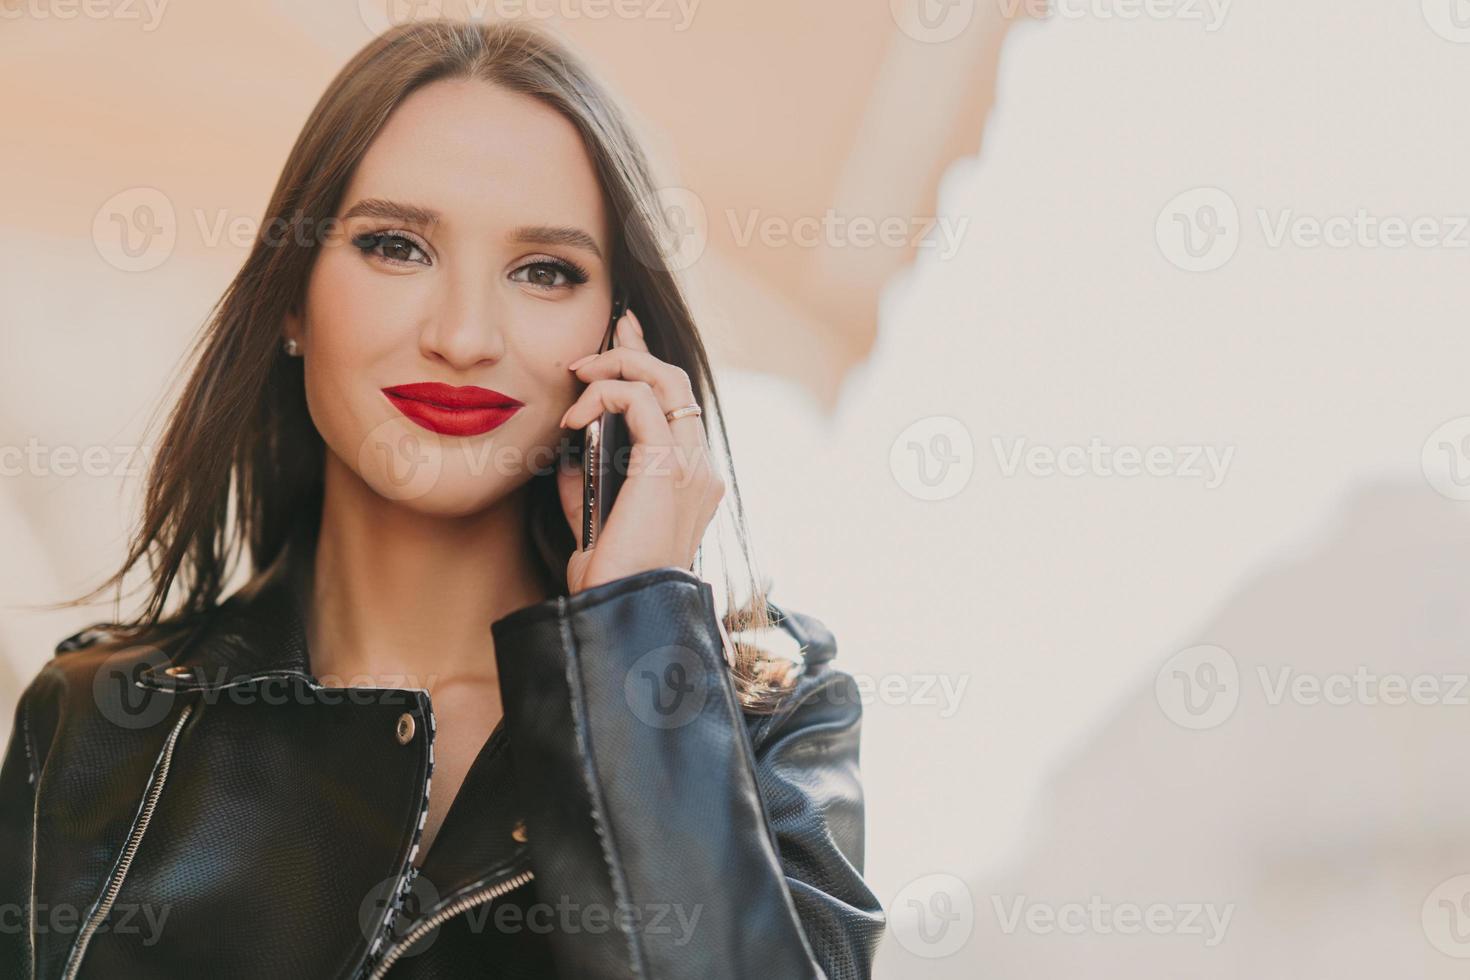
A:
x: 405, y: 728
x: 518, y: 833
x: 181, y: 672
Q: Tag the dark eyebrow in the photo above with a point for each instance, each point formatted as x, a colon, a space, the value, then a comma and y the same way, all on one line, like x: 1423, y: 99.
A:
x: 374, y: 207
x: 554, y: 235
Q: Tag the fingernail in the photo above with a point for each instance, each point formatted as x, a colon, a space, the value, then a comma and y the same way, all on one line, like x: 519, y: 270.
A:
x: 633, y: 319
x: 580, y: 361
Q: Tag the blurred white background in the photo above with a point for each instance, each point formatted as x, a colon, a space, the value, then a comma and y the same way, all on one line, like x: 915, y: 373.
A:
x: 1201, y: 720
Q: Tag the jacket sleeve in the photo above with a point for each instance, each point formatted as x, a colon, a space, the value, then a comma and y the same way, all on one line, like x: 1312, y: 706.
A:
x: 704, y: 851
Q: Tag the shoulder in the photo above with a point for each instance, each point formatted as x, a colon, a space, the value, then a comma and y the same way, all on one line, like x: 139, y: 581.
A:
x: 51, y: 696
x: 82, y: 652
x: 73, y: 660
x: 85, y: 637
x: 100, y: 649
x: 821, y: 695
x: 86, y: 687
x: 807, y: 761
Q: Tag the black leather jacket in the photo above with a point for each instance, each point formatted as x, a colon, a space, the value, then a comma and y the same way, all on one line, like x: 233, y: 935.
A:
x: 203, y: 807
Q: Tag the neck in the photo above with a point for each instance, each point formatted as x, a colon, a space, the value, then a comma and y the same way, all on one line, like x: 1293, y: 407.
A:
x: 406, y: 598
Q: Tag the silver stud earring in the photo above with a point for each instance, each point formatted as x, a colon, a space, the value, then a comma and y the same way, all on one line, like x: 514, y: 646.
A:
x: 291, y: 347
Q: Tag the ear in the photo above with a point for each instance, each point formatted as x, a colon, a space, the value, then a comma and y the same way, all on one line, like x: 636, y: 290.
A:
x: 293, y: 329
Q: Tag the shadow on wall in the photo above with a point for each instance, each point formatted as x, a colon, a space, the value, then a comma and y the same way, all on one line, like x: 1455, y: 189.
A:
x: 1286, y: 797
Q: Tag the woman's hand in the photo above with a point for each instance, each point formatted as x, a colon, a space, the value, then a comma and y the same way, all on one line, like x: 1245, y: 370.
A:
x: 671, y: 492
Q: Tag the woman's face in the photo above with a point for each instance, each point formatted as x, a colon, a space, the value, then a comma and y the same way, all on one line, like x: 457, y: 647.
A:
x: 471, y: 252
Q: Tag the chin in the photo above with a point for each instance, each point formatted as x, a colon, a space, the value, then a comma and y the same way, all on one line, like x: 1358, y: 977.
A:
x: 439, y: 475
x: 443, y: 491
x: 448, y: 504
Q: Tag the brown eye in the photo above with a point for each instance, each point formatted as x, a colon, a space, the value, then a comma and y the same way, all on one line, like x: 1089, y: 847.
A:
x: 545, y: 273
x: 395, y: 248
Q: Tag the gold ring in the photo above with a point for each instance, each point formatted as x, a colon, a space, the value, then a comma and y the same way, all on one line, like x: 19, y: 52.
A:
x: 679, y: 413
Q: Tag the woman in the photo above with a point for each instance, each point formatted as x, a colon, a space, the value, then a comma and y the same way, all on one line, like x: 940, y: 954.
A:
x: 313, y: 777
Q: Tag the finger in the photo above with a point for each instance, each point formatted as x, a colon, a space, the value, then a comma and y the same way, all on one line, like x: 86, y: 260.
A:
x: 630, y: 332
x: 668, y: 381
x: 634, y: 400
x: 671, y: 388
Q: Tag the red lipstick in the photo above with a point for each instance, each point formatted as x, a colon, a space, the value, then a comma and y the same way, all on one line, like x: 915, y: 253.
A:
x: 452, y: 410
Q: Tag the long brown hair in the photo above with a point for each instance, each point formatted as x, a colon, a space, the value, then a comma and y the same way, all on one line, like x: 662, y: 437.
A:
x: 240, y: 462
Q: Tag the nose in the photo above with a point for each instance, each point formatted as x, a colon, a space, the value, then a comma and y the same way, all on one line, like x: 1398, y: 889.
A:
x: 465, y: 327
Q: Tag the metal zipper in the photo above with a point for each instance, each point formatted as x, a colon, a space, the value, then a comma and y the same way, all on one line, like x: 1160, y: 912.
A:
x: 408, y: 868
x: 134, y: 839
x: 448, y: 912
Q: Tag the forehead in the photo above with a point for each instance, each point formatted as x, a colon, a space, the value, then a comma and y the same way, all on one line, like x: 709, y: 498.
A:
x: 485, y: 158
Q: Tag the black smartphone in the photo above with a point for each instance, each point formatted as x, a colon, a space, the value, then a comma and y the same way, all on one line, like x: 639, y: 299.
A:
x: 606, y: 448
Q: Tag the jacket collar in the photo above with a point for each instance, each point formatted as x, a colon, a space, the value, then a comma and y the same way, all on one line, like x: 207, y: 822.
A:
x: 259, y: 632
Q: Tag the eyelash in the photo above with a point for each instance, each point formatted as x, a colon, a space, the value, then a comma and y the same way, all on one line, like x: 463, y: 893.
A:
x: 370, y: 242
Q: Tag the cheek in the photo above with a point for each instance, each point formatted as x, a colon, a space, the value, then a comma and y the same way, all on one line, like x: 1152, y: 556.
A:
x: 354, y: 322
x: 546, y: 358
x: 350, y: 334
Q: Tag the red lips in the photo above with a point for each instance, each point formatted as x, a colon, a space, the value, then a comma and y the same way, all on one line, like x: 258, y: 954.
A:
x: 451, y: 410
